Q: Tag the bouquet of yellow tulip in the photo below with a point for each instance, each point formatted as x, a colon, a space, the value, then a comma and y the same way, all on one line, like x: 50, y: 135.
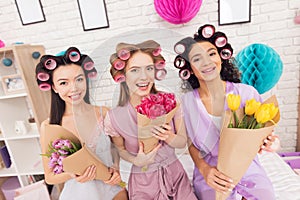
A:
x: 242, y: 135
x: 255, y: 113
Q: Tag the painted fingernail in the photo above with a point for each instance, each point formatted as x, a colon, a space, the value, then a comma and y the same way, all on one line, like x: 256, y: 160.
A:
x: 229, y: 189
x: 265, y: 141
x: 230, y: 180
x: 232, y: 185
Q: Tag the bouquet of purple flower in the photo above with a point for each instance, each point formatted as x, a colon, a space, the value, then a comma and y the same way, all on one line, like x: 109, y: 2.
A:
x: 58, y: 150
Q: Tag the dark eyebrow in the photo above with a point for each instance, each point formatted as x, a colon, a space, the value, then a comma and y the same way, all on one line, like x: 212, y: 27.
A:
x: 199, y: 54
x: 211, y: 49
x: 64, y: 79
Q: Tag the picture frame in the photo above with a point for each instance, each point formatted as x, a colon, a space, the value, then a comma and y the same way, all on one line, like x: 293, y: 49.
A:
x: 13, y: 84
x: 30, y: 11
x: 234, y: 11
x: 93, y: 14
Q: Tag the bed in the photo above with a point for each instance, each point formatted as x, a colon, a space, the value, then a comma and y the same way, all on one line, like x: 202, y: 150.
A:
x: 285, y: 181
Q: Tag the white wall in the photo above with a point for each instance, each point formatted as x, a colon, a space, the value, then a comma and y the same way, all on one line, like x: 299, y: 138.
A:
x: 136, y: 20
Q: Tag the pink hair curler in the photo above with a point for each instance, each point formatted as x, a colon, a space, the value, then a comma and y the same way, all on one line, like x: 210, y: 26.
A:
x: 92, y: 75
x: 88, y: 65
x: 50, y: 64
x: 43, y: 76
x: 156, y: 52
x: 119, y: 64
x: 160, y: 64
x: 221, y: 41
x: 208, y: 31
x: 160, y: 74
x: 74, y: 56
x: 179, y: 48
x: 225, y: 54
x: 119, y: 78
x: 179, y: 62
x: 184, y: 74
x: 124, y: 54
x: 45, y: 86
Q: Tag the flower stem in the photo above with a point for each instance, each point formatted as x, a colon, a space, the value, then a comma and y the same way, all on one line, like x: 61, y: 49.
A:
x: 236, y: 119
x: 230, y: 125
x: 251, y: 123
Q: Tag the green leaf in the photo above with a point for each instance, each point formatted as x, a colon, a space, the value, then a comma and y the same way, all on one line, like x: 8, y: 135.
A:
x: 230, y: 125
x: 259, y: 125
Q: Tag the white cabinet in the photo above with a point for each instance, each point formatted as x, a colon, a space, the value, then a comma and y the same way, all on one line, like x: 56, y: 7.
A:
x: 21, y: 99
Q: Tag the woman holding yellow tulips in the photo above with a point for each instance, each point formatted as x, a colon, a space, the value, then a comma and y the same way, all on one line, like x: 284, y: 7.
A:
x: 209, y: 76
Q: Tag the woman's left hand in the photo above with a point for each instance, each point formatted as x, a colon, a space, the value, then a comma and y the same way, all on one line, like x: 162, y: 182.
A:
x: 268, y: 143
x: 163, y: 132
x: 115, y: 178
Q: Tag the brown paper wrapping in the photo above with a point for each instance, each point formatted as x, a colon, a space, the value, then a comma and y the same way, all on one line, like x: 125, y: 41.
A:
x: 145, y: 125
x: 238, y: 147
x: 77, y: 162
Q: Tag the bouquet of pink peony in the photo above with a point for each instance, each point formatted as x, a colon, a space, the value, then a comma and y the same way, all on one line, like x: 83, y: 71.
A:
x: 154, y: 110
x: 57, y: 151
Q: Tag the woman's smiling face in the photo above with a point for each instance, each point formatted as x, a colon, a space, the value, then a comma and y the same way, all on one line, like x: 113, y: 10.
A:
x: 139, y: 74
x: 205, y: 61
x: 69, y: 83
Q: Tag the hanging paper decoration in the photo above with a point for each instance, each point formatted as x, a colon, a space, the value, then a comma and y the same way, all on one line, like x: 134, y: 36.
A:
x: 177, y: 11
x: 260, y: 66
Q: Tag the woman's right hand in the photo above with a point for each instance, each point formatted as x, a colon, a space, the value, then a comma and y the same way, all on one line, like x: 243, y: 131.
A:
x: 88, y: 175
x: 143, y: 159
x: 217, y: 180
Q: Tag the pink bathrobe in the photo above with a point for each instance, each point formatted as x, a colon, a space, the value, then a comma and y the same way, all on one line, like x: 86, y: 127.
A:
x: 165, y: 178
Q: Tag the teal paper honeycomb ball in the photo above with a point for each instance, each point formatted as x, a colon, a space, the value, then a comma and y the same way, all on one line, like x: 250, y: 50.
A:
x: 260, y: 66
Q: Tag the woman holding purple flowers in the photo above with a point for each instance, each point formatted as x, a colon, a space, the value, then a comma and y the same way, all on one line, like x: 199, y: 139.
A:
x: 155, y: 175
x: 67, y: 77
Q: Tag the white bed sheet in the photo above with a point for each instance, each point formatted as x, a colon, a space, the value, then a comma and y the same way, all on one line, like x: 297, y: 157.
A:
x: 285, y: 181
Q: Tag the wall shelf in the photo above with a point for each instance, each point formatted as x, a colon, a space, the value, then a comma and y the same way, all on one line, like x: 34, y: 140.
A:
x: 24, y: 149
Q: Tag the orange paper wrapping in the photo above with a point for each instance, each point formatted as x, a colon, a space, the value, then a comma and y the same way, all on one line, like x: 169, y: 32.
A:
x: 77, y: 162
x: 238, y: 147
x: 144, y: 128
